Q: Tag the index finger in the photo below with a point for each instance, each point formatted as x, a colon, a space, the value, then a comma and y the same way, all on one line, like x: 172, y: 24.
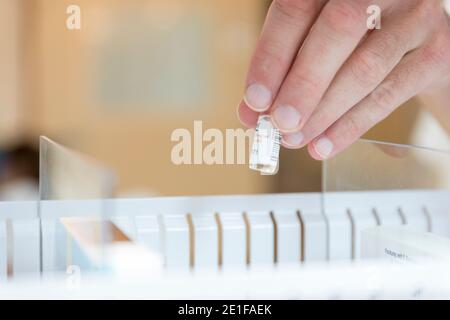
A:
x: 285, y: 28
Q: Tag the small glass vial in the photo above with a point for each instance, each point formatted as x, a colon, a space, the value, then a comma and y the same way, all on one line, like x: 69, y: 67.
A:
x: 266, y: 147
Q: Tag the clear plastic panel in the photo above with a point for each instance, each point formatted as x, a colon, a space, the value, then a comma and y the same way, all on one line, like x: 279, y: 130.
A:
x: 375, y: 184
x: 74, y: 229
x: 370, y: 165
x: 68, y: 175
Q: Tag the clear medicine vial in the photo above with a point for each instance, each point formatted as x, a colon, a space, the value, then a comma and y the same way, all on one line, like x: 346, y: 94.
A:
x: 265, y: 152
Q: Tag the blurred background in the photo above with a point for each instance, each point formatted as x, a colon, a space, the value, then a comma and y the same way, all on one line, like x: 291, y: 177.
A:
x: 134, y: 72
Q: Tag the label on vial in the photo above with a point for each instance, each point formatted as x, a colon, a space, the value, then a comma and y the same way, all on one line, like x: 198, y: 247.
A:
x: 266, y: 147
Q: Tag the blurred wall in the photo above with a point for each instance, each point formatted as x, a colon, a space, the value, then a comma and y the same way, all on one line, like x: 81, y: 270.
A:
x: 10, y: 59
x: 134, y: 72
x: 137, y: 70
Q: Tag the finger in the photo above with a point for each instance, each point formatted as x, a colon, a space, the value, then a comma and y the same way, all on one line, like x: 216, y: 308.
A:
x: 247, y: 116
x: 415, y: 72
x: 368, y: 66
x: 336, y: 33
x: 286, y: 26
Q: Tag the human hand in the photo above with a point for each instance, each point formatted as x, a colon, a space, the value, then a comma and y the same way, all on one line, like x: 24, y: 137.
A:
x: 326, y: 79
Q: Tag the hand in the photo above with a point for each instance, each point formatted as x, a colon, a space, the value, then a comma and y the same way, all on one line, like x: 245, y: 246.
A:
x: 326, y: 79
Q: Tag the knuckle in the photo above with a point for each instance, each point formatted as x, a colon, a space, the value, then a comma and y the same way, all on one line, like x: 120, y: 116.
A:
x: 426, y: 7
x: 307, y: 83
x: 425, y: 11
x: 270, y: 55
x: 383, y: 97
x: 368, y: 68
x: 393, y: 41
x: 353, y: 127
x: 436, y: 53
x: 294, y: 10
x: 371, y: 64
x: 431, y: 55
x: 343, y: 16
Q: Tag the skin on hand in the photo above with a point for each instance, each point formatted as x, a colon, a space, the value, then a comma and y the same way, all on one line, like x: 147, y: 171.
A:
x: 326, y: 79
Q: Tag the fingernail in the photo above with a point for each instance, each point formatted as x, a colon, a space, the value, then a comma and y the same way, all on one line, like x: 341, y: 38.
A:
x: 286, y: 118
x: 293, y: 139
x: 258, y: 97
x: 323, y: 147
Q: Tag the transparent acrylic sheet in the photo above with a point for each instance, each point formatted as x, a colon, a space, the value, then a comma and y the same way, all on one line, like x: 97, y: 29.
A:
x: 73, y: 235
x: 68, y: 175
x: 371, y: 165
x: 388, y: 185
